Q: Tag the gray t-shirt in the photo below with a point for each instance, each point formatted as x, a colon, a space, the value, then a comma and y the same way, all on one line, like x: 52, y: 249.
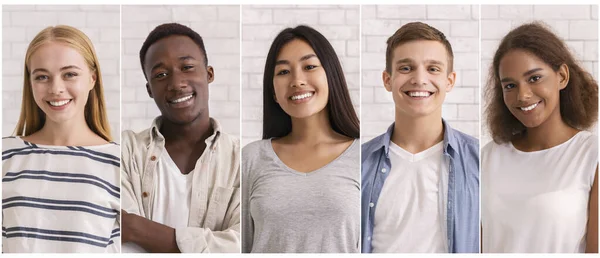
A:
x: 286, y: 211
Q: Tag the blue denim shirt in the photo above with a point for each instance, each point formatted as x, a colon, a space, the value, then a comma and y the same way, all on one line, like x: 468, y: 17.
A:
x: 462, y: 152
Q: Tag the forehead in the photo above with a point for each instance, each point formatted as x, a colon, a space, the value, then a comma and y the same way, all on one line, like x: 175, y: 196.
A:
x: 172, y: 47
x: 294, y: 50
x: 55, y: 55
x: 518, y: 61
x: 421, y: 50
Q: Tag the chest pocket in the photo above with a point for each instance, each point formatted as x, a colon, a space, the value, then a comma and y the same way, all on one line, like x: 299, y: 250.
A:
x: 218, y: 212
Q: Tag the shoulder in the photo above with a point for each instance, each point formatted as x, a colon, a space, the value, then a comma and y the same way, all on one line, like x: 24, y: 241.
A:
x: 229, y: 142
x: 371, y: 146
x: 252, y: 154
x: 12, y: 142
x: 259, y: 145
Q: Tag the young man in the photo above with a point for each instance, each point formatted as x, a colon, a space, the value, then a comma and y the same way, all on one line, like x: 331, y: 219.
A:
x: 180, y: 178
x: 420, y: 179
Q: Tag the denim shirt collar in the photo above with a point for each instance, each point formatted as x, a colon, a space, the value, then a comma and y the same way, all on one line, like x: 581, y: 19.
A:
x: 450, y: 140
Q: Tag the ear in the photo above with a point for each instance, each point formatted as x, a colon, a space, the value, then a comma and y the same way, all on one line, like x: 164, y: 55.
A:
x: 451, y: 81
x: 211, y: 74
x: 563, y: 76
x: 387, y: 80
x: 149, y: 90
x: 93, y: 80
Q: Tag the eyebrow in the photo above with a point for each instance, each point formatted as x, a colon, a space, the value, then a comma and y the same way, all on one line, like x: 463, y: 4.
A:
x: 508, y: 79
x: 306, y: 57
x: 409, y: 60
x: 61, y: 69
x: 182, y: 58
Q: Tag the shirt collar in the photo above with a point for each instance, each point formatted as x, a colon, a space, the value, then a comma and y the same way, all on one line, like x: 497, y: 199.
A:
x: 450, y: 140
x: 211, y: 141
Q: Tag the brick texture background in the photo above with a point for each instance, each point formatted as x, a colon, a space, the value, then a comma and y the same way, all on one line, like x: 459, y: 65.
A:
x: 460, y: 24
x: 260, y: 25
x: 219, y: 27
x: 577, y: 25
x: 20, y: 24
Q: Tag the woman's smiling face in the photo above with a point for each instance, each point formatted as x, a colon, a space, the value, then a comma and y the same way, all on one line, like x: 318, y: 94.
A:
x: 531, y: 88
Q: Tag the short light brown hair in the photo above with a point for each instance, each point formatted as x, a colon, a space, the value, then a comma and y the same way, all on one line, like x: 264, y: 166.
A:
x: 416, y: 31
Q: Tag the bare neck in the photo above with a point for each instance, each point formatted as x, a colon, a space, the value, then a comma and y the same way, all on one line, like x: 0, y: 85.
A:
x: 417, y: 134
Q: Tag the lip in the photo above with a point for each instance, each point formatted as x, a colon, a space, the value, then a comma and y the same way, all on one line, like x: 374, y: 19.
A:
x: 184, y: 103
x: 529, y: 105
x: 300, y: 93
x: 58, y: 108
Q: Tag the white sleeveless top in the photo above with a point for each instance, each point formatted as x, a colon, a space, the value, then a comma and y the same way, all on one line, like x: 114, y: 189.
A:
x: 537, y: 201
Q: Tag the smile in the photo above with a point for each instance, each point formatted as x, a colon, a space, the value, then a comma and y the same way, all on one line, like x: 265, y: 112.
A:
x: 59, y: 103
x: 418, y: 94
x: 182, y: 99
x: 530, y: 107
x: 302, y: 96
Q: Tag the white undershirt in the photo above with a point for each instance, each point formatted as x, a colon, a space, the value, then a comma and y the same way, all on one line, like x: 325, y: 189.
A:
x: 173, y: 194
x: 408, y: 216
x: 537, y: 201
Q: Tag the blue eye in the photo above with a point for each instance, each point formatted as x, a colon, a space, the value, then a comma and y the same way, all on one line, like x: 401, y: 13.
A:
x: 70, y: 75
x: 404, y: 69
x: 41, y: 78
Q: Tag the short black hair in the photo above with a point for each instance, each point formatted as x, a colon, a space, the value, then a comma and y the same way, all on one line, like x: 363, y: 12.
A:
x: 170, y: 29
x: 342, y: 117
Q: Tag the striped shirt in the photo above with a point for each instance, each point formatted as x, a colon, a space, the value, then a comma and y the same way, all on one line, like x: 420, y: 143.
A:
x: 58, y: 199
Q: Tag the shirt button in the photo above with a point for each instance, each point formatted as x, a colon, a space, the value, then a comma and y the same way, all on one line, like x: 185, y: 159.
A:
x: 153, y: 158
x: 371, y: 204
x: 368, y: 238
x: 383, y: 170
x: 145, y: 194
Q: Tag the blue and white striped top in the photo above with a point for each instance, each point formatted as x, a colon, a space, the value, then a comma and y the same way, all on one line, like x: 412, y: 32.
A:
x: 58, y: 199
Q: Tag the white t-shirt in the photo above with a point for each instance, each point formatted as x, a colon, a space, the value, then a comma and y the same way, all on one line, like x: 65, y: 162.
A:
x: 171, y: 205
x: 173, y: 194
x: 537, y: 201
x: 409, y: 214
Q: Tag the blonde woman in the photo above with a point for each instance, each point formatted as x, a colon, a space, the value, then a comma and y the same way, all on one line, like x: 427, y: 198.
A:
x: 60, y: 171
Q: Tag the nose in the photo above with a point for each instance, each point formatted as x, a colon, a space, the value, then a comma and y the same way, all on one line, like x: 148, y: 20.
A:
x: 178, y: 81
x: 57, y: 87
x: 298, y: 79
x: 420, y: 77
x: 525, y: 92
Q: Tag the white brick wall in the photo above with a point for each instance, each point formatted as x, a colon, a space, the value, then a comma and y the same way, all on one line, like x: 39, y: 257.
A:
x: 576, y: 24
x: 339, y: 24
x: 460, y: 23
x: 219, y: 27
x: 21, y: 23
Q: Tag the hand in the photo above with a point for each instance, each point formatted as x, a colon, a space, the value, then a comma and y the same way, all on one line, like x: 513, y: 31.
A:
x: 128, y: 221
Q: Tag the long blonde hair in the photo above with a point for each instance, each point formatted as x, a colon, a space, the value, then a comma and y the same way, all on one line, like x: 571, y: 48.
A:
x: 32, y: 118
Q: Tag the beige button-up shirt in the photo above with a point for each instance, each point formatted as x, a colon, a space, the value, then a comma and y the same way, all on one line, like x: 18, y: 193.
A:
x: 214, y: 219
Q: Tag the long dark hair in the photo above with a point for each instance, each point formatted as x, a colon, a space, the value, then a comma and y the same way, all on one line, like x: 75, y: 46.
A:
x: 342, y: 117
x: 578, y: 100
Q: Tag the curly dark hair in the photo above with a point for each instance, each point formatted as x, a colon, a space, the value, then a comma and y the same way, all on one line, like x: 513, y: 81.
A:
x: 166, y: 30
x: 578, y: 100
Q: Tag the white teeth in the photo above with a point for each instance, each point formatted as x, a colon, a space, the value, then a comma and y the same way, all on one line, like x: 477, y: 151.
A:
x: 527, y: 108
x: 182, y: 99
x: 59, y: 103
x: 418, y: 94
x: 303, y: 96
